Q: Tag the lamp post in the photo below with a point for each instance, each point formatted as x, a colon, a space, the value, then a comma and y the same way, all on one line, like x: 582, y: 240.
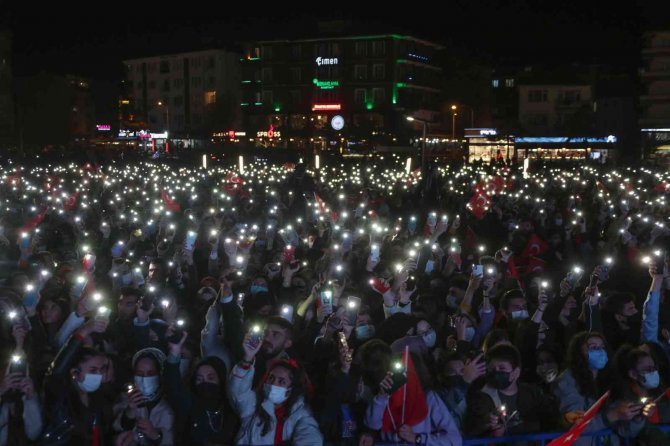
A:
x: 423, y: 145
x: 453, y: 122
x: 472, y: 113
x: 167, y: 123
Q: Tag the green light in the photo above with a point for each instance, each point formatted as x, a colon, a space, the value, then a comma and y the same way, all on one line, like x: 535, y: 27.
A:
x: 325, y: 85
x: 277, y: 107
x: 244, y: 104
x: 246, y: 82
x: 401, y: 84
x: 369, y: 105
x: 258, y: 103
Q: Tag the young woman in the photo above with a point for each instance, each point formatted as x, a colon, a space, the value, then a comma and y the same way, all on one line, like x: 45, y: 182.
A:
x: 276, y: 412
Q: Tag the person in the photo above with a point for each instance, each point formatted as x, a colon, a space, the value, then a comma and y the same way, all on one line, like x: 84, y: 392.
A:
x: 21, y: 411
x: 505, y: 406
x: 143, y: 409
x: 200, y: 399
x: 276, y: 411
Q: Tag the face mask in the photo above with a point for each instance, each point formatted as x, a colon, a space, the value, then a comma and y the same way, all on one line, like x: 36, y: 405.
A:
x: 91, y: 382
x: 558, y: 221
x: 430, y: 265
x: 454, y: 381
x: 520, y: 315
x: 365, y: 332
x: 148, y: 385
x: 255, y: 289
x: 452, y: 301
x: 469, y: 334
x: 430, y: 338
x: 498, y: 380
x: 275, y: 394
x: 547, y: 373
x: 597, y: 359
x: 184, y: 364
x: 651, y: 380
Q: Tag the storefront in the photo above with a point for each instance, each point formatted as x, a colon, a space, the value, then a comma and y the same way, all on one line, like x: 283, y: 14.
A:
x: 487, y: 145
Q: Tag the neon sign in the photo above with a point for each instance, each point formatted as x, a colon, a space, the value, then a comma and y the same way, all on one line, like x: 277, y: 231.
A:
x: 271, y: 133
x: 326, y: 107
x: 325, y: 85
x: 103, y: 127
x: 326, y: 61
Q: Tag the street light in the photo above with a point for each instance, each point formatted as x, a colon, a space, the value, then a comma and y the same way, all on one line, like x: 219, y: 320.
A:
x: 167, y: 121
x: 472, y: 113
x: 453, y: 122
x: 423, y: 146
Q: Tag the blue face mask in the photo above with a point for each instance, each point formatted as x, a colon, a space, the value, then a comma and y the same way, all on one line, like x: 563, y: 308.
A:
x: 255, y: 289
x: 469, y: 334
x: 597, y: 359
x: 651, y: 380
x: 364, y: 332
x: 430, y: 265
x: 411, y: 225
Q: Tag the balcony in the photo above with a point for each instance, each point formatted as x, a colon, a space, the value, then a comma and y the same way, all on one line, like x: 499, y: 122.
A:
x: 655, y: 97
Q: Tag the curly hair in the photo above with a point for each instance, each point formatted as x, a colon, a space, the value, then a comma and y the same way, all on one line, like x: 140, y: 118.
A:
x: 578, y: 365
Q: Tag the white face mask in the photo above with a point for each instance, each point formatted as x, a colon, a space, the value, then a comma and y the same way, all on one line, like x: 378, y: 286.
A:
x: 520, y: 315
x: 430, y: 338
x: 91, y: 382
x: 275, y: 394
x: 148, y: 385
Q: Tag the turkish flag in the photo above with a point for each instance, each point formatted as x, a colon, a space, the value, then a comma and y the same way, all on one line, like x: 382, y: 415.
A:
x: 479, y: 202
x: 407, y: 405
x: 320, y: 202
x: 35, y: 222
x: 70, y: 203
x: 170, y: 204
x: 535, y: 246
x: 576, y: 431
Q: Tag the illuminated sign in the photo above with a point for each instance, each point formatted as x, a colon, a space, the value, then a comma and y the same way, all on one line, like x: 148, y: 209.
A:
x: 337, y: 122
x: 325, y: 85
x: 271, y: 133
x: 230, y: 134
x: 163, y: 135
x: 326, y: 61
x: 326, y: 107
x: 103, y: 127
x: 474, y: 133
x: 143, y: 134
x: 611, y: 139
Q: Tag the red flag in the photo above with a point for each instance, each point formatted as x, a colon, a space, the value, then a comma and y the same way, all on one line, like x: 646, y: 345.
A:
x: 407, y: 405
x: 35, y: 222
x: 535, y: 246
x: 470, y: 239
x: 70, y: 203
x: 170, y: 204
x: 535, y: 265
x: 576, y: 431
x: 479, y: 202
x: 320, y: 202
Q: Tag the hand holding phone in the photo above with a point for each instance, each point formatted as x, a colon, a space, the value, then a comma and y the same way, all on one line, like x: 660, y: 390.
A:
x: 478, y: 271
x: 353, y: 306
x: 398, y: 375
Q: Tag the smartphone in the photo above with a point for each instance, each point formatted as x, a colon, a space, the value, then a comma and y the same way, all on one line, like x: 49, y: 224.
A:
x: 177, y: 333
x: 102, y: 313
x: 490, y: 271
x: 189, y: 243
x: 430, y: 266
x: 256, y: 335
x: 574, y: 276
x: 30, y: 296
x: 353, y: 305
x: 147, y: 301
x: 477, y: 270
x: 398, y: 375
x: 659, y: 260
x: 374, y: 252
x: 18, y: 364
x: 288, y: 255
x: 89, y: 262
x: 287, y: 312
x: 432, y: 219
x: 78, y: 287
x: 326, y: 299
x: 410, y: 283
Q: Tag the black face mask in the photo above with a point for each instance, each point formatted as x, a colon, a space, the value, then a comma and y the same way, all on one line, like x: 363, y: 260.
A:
x: 208, y: 393
x: 498, y: 380
x: 452, y: 381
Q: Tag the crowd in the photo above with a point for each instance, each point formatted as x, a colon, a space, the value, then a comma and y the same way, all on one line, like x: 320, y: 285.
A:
x: 353, y: 304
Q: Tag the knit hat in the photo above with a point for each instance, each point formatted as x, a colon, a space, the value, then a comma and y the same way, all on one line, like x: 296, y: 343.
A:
x: 150, y: 352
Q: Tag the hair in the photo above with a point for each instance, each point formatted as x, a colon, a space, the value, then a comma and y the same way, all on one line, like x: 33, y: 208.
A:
x: 130, y: 291
x: 459, y: 281
x: 282, y: 323
x: 506, y: 353
x: 625, y: 360
x: 494, y: 337
x: 299, y: 388
x: 579, y: 366
x: 616, y: 301
x: 374, y: 358
x: 84, y: 354
x: 511, y: 294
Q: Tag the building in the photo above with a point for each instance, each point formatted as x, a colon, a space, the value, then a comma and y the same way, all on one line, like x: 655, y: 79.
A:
x: 655, y: 99
x: 7, y: 109
x: 82, y: 111
x: 188, y: 95
x: 555, y: 108
x: 339, y: 93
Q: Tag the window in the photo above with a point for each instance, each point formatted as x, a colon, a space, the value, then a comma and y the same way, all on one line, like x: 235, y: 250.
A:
x: 266, y: 74
x: 294, y: 97
x: 509, y: 83
x: 296, y: 74
x: 196, y: 81
x: 378, y: 48
x: 166, y: 85
x: 537, y: 95
x: 361, y: 49
x: 178, y: 100
x: 359, y: 95
x: 495, y: 83
x: 267, y: 97
x: 296, y: 51
x: 378, y: 95
x: 165, y: 66
x: 360, y: 72
x: 378, y: 71
x: 569, y: 97
x: 178, y: 83
x: 266, y: 52
x: 210, y: 97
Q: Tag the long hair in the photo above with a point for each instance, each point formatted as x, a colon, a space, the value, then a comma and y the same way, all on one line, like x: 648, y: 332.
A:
x: 579, y: 366
x: 299, y: 388
x: 625, y: 360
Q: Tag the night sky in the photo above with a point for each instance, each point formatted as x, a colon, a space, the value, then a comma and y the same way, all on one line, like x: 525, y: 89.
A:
x: 91, y: 39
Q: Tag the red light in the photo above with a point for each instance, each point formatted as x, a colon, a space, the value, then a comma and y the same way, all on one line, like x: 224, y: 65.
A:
x: 322, y: 107
x: 231, y: 134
